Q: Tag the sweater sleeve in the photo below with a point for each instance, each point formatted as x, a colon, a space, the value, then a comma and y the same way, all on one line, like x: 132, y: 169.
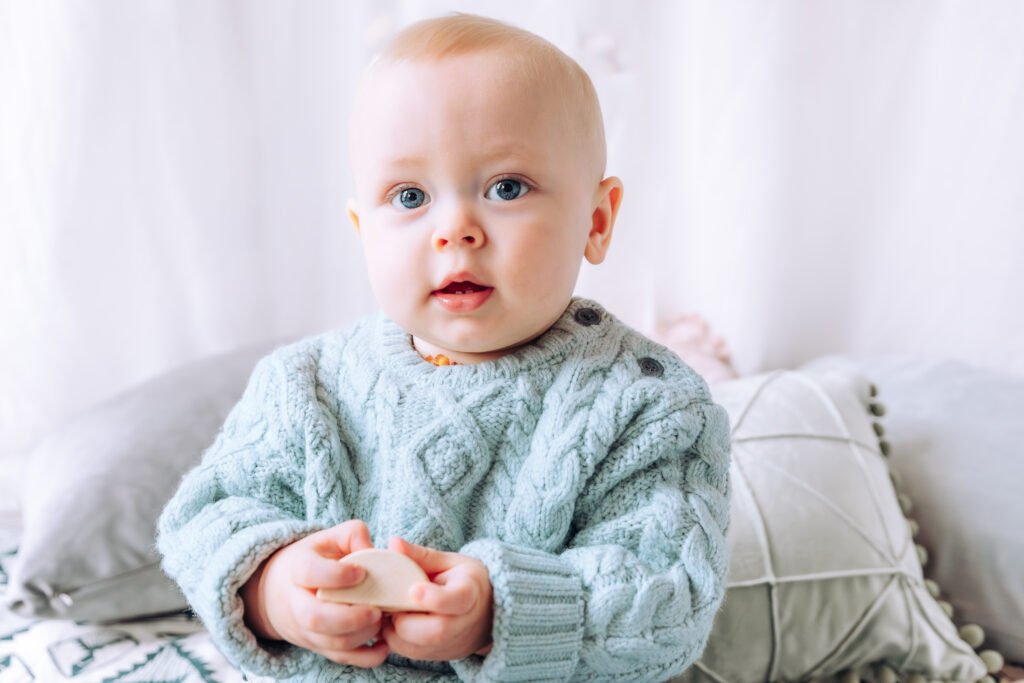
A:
x: 243, y: 502
x: 633, y: 596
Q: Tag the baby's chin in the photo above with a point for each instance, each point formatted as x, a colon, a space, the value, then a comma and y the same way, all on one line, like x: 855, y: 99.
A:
x: 476, y: 338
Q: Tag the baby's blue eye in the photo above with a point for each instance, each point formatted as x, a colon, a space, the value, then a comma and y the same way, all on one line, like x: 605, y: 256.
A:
x: 410, y: 198
x: 507, y: 189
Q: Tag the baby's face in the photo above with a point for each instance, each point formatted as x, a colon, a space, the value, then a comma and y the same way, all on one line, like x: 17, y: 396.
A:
x: 473, y: 200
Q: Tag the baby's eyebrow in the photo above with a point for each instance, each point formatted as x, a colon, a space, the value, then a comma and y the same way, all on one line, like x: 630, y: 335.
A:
x: 405, y: 160
x: 514, y: 152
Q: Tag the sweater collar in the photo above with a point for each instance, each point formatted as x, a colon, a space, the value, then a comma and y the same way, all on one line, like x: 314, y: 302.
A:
x: 394, y: 352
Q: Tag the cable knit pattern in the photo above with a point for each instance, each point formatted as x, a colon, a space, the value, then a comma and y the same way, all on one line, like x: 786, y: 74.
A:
x: 588, y: 471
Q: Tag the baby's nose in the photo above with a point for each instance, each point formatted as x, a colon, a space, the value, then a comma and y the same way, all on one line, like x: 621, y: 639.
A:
x: 462, y: 232
x: 470, y: 240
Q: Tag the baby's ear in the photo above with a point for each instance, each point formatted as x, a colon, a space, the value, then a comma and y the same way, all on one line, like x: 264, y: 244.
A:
x: 352, y: 214
x: 608, y: 199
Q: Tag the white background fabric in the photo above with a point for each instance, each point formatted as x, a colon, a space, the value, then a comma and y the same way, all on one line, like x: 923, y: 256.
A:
x: 812, y: 177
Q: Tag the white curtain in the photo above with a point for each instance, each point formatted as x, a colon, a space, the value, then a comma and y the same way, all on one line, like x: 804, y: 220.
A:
x: 812, y: 176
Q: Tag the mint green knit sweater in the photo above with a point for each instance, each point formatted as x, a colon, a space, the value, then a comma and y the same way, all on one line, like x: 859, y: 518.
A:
x: 588, y: 471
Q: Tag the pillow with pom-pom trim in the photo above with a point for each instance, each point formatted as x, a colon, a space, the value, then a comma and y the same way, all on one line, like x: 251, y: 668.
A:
x: 956, y: 432
x: 826, y: 581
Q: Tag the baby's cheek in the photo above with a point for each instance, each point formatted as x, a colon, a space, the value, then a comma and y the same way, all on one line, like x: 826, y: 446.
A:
x: 393, y: 268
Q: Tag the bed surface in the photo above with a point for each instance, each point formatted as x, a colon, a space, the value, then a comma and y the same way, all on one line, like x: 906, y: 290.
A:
x: 174, y: 648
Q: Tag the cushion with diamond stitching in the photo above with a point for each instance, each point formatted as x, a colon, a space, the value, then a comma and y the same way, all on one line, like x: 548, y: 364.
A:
x: 825, y: 577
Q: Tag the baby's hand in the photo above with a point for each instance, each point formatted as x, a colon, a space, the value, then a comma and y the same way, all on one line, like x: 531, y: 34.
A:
x: 281, y: 603
x: 457, y: 617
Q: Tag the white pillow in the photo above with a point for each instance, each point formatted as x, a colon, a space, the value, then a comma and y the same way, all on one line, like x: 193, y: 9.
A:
x: 825, y: 576
x: 957, y: 435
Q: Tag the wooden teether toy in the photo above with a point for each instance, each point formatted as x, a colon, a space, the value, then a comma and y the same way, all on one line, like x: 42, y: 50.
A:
x: 389, y: 576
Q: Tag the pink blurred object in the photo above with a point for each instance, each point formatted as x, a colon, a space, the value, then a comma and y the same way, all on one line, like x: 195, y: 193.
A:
x: 690, y: 337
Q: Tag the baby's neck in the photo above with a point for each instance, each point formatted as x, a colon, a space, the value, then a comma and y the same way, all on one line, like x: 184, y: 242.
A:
x: 428, y: 350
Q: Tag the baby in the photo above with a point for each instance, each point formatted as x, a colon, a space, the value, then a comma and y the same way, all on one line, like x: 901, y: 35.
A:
x: 562, y: 480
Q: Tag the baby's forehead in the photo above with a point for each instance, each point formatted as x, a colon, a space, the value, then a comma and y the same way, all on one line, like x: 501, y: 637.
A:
x: 470, y: 109
x: 499, y: 64
x: 521, y: 79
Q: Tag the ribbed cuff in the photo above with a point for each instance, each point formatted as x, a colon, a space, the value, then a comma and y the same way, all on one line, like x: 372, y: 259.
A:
x: 219, y: 605
x: 538, y: 616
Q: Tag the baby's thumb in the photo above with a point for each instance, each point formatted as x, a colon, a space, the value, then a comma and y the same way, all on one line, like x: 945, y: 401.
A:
x: 430, y: 560
x: 343, y: 539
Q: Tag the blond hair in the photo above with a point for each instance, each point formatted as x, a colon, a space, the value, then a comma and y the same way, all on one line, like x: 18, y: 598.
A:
x: 462, y: 34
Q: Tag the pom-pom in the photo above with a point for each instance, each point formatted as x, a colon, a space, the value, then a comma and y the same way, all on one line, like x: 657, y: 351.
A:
x: 916, y: 678
x: 947, y: 608
x: 879, y: 429
x: 886, y: 674
x: 877, y: 409
x: 905, y: 504
x: 922, y: 554
x: 914, y: 527
x: 993, y: 660
x: 932, y: 587
x: 973, y: 635
x: 851, y: 676
x: 885, y: 448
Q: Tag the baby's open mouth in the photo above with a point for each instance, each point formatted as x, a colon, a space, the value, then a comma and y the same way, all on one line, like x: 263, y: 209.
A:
x: 464, y: 287
x: 462, y: 296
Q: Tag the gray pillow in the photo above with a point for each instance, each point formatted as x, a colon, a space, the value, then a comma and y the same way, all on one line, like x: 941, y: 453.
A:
x: 957, y: 435
x: 95, y: 487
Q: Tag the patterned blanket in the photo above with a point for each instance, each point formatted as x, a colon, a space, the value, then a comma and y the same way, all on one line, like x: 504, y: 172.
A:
x: 174, y: 648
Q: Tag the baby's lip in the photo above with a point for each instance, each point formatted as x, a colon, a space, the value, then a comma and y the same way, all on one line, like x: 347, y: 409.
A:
x: 464, y: 278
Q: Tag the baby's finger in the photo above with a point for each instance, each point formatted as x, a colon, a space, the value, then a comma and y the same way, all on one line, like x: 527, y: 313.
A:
x: 364, y: 657
x: 454, y: 598
x: 397, y: 642
x: 349, y: 641
x: 432, y: 561
x: 413, y: 632
x: 342, y: 539
x: 333, y: 618
x: 321, y: 572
